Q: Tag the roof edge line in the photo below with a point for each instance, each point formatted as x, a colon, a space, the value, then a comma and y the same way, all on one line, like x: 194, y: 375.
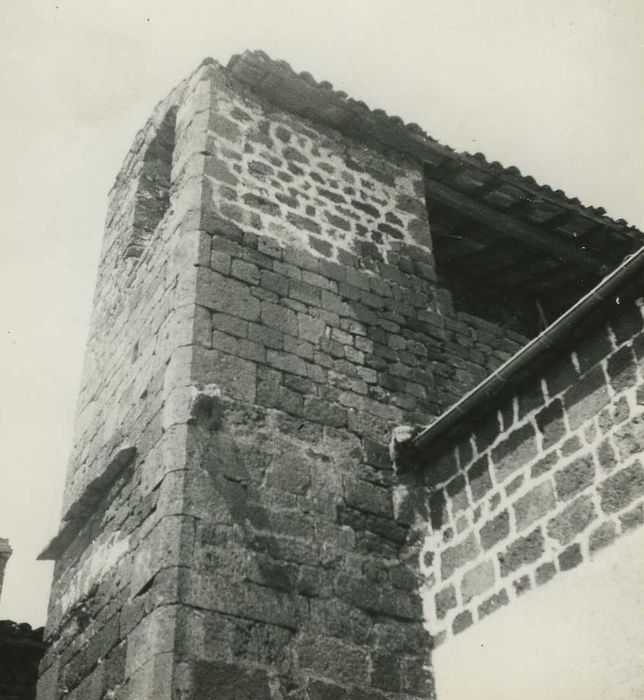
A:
x: 503, y: 374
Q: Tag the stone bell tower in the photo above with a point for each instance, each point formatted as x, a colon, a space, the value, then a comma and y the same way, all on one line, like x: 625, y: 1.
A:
x: 230, y: 521
x: 267, y: 310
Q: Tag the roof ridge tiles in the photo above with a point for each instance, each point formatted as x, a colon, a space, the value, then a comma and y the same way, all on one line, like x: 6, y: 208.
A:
x: 415, y: 133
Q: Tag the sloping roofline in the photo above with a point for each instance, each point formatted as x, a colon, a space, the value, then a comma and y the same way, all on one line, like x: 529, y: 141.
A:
x: 299, y: 93
x: 406, y: 444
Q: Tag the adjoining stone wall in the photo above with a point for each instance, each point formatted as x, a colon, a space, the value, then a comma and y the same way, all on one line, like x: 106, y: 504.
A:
x: 541, y: 484
x: 262, y: 321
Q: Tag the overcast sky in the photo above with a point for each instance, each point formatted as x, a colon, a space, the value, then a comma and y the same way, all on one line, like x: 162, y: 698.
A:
x: 554, y: 87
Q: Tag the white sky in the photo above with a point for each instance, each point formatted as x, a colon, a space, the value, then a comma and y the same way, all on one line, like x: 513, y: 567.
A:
x: 554, y: 87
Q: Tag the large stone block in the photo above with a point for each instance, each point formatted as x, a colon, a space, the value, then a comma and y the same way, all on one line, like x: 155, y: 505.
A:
x: 522, y: 551
x: 534, y: 505
x: 574, y: 477
x: 454, y: 557
x: 226, y: 681
x: 477, y: 580
x: 495, y: 530
x: 622, y: 488
x: 585, y: 399
x: 515, y: 451
x: 572, y: 520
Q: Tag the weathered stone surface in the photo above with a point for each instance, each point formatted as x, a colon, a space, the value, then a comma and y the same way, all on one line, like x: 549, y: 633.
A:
x: 458, y: 555
x: 515, y: 451
x: 477, y: 580
x: 602, y: 536
x: 570, y: 557
x: 272, y: 313
x: 445, y: 600
x: 586, y: 397
x: 545, y: 572
x: 622, y: 488
x: 495, y: 530
x: 493, y: 603
x: 462, y: 621
x: 572, y: 520
x: 534, y: 505
x: 522, y: 551
x: 551, y: 424
x: 574, y: 477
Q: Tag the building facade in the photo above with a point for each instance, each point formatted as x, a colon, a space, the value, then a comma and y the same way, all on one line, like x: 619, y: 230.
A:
x: 287, y: 277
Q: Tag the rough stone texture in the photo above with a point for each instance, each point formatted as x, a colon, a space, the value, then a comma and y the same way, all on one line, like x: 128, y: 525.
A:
x: 267, y: 310
x: 555, y: 476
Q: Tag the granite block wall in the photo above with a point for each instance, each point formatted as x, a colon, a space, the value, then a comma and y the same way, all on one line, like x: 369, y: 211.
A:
x: 551, y: 476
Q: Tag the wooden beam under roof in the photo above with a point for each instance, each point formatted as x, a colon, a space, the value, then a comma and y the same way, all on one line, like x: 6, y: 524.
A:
x: 509, y: 226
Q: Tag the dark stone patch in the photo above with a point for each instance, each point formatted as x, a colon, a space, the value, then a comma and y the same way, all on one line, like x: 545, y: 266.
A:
x: 601, y: 537
x: 495, y: 530
x: 574, y: 477
x: 621, y: 369
x: 514, y: 485
x: 586, y: 398
x: 622, y: 488
x: 437, y: 509
x: 522, y: 551
x: 224, y: 127
x: 454, y: 557
x: 561, y: 375
x: 444, y: 601
x: 534, y: 505
x: 462, y: 621
x: 513, y: 453
x: 228, y: 680
x: 570, y: 558
x: 627, y: 324
x: 261, y: 203
x: 390, y: 231
x: 479, y: 478
x: 544, y: 573
x: 629, y: 438
x: 551, y: 423
x: 530, y: 399
x: 493, y: 603
x: 571, y: 445
x: 323, y: 247
x: 574, y: 519
x: 593, y: 349
x: 606, y: 456
x: 367, y: 208
x: 634, y: 518
x: 303, y: 222
x: 338, y: 221
x: 259, y: 168
x: 543, y: 465
x: 522, y: 585
x: 293, y: 154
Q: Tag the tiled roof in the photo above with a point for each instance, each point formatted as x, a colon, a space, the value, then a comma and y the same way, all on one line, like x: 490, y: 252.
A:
x: 502, y: 187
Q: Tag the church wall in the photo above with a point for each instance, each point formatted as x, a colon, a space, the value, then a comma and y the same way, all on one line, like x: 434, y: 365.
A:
x: 547, y: 479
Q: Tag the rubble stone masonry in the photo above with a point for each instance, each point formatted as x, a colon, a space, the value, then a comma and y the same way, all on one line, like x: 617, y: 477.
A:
x: 550, y: 477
